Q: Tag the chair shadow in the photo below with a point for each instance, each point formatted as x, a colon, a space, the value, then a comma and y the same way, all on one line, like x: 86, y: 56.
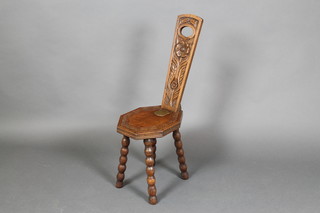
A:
x: 101, y: 156
x: 135, y: 153
x: 193, y: 145
x: 143, y: 194
x: 92, y: 150
x: 207, y: 142
x: 128, y: 184
x: 173, y: 171
x: 173, y: 184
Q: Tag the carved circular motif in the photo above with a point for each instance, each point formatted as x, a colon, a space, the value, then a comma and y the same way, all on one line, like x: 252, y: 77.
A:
x: 182, y: 49
x: 174, y: 84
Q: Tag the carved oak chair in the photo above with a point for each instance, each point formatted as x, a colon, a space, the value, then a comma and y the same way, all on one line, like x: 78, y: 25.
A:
x: 149, y: 123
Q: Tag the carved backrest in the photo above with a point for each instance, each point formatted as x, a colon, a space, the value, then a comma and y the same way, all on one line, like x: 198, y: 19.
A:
x: 182, y: 52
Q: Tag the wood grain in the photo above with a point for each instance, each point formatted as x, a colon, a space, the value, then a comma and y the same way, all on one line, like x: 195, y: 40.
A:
x: 182, y: 53
x: 149, y: 123
x: 142, y: 123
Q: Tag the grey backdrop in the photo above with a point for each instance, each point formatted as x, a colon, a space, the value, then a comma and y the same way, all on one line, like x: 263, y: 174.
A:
x: 69, y: 68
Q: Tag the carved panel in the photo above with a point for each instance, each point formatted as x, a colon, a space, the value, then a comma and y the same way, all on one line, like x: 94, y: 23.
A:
x: 180, y: 60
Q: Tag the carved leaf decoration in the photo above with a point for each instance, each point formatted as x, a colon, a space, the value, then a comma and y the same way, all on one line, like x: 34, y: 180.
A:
x: 174, y: 102
x: 167, y: 99
x: 173, y: 67
x: 175, y: 94
x: 190, y: 21
x: 180, y: 60
x: 168, y: 94
x: 182, y: 69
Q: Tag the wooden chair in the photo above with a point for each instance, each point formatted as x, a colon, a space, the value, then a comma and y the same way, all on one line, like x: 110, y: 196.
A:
x: 149, y: 123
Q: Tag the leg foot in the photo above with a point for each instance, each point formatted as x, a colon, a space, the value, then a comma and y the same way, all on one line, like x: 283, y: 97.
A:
x: 149, y: 151
x: 122, y: 161
x: 179, y: 150
x: 153, y: 200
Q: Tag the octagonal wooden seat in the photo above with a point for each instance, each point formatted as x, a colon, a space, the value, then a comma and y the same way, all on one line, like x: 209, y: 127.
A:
x: 143, y: 123
x: 149, y: 123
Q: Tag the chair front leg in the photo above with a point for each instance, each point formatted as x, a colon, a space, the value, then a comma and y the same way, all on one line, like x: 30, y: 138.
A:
x: 179, y: 150
x: 150, y: 149
x: 122, y: 161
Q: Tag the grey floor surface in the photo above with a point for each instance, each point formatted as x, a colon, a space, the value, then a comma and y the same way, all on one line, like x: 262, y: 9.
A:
x: 75, y: 172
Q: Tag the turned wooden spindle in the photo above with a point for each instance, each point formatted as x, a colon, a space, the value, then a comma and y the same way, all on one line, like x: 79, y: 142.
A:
x: 122, y: 161
x: 179, y: 150
x: 149, y: 151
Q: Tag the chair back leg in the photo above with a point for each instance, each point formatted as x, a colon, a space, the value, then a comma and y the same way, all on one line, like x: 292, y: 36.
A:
x: 180, y: 152
x: 122, y: 160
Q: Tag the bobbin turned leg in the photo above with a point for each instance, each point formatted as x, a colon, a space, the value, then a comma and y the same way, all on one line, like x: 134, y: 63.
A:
x: 154, y: 147
x: 179, y: 150
x: 122, y: 161
x: 149, y: 151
